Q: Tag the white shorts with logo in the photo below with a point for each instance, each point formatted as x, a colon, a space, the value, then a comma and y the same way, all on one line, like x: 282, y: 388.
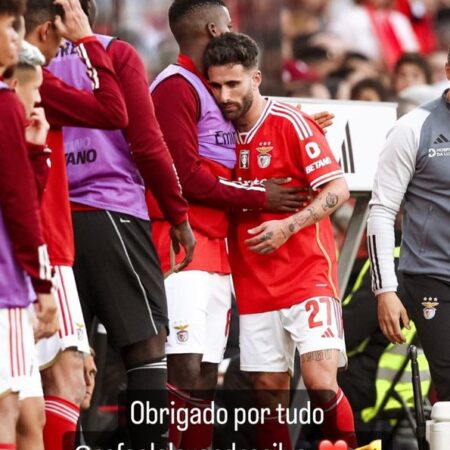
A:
x: 199, y: 305
x: 72, y: 332
x: 17, y: 350
x: 268, y: 340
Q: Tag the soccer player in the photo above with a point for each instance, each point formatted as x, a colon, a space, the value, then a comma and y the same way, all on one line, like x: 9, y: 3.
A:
x: 284, y: 266
x: 202, y: 144
x: 60, y: 357
x: 23, y: 254
x: 108, y: 173
x: 25, y: 79
x: 412, y: 171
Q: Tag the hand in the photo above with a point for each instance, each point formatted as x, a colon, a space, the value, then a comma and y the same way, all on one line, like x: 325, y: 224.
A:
x: 36, y: 132
x: 288, y: 199
x: 182, y: 234
x: 272, y: 235
x: 390, y: 313
x: 324, y: 119
x: 46, y: 315
x: 76, y: 24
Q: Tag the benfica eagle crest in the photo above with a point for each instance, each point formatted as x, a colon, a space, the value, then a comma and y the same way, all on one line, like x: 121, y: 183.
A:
x: 264, y: 157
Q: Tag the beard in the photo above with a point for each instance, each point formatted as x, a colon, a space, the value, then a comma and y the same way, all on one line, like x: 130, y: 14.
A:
x: 235, y: 110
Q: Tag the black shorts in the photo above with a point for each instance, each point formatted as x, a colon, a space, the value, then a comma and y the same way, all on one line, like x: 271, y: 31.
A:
x: 427, y: 300
x: 118, y: 275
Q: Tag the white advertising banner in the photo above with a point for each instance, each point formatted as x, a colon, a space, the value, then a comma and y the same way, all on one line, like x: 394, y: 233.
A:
x: 356, y: 136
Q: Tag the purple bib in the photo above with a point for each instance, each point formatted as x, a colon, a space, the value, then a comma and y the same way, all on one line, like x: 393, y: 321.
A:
x: 216, y: 136
x: 15, y: 285
x: 100, y: 167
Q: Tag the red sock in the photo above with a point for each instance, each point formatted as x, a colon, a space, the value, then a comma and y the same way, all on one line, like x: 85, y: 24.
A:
x: 61, y: 417
x: 198, y: 436
x: 7, y: 446
x: 177, y: 400
x: 271, y: 432
x: 338, y: 420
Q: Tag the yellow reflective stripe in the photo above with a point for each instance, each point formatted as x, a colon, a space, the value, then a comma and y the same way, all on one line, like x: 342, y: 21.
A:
x: 358, y: 282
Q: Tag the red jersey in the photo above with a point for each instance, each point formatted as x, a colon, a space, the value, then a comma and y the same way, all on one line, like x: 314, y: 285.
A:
x: 19, y: 204
x: 283, y: 143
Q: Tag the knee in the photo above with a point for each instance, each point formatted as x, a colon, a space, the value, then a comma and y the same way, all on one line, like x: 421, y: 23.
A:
x: 9, y: 412
x: 147, y: 350
x: 184, y: 371
x: 321, y: 382
x: 270, y: 381
x: 30, y: 425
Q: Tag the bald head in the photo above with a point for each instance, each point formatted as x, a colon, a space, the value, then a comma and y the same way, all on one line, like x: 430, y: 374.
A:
x: 194, y: 19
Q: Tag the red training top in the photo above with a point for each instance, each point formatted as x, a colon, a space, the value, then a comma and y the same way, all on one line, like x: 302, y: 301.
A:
x: 18, y: 194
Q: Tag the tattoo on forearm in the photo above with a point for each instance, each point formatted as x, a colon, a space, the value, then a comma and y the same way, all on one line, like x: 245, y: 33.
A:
x: 321, y: 355
x: 330, y: 202
x: 312, y: 213
x: 298, y: 221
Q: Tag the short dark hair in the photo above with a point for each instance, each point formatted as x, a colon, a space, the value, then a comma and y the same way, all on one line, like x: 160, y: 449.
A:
x: 90, y: 9
x: 232, y: 48
x: 369, y: 83
x: 12, y: 7
x: 179, y: 9
x: 39, y: 12
x: 416, y: 59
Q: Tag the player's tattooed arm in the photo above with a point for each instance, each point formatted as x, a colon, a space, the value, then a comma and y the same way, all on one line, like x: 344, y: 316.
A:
x: 271, y: 235
x: 332, y: 196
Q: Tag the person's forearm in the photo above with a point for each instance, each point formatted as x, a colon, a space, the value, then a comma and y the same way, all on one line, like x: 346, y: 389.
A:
x: 381, y: 244
x: 330, y: 198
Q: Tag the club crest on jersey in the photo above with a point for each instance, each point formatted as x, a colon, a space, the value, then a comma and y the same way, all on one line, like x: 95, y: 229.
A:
x: 264, y: 158
x: 429, y: 304
x: 244, y: 159
x: 182, y: 333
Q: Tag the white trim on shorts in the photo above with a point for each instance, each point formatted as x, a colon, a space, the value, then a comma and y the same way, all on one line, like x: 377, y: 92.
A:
x: 268, y: 340
x: 72, y: 332
x: 199, y: 307
x: 17, y: 350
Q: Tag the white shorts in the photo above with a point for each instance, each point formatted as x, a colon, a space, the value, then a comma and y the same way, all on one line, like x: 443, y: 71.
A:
x: 199, y: 306
x: 268, y: 340
x: 17, y: 350
x: 72, y: 332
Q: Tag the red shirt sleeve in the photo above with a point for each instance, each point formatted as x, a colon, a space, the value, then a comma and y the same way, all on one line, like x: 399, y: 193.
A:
x: 147, y: 144
x: 39, y: 156
x: 177, y: 110
x: 316, y: 156
x: 18, y: 195
x: 103, y: 108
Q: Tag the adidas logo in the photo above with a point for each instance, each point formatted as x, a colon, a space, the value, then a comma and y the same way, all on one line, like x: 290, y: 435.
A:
x: 328, y: 333
x: 440, y: 139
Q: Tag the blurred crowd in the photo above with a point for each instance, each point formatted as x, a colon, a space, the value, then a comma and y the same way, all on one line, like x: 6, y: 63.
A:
x: 373, y: 50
